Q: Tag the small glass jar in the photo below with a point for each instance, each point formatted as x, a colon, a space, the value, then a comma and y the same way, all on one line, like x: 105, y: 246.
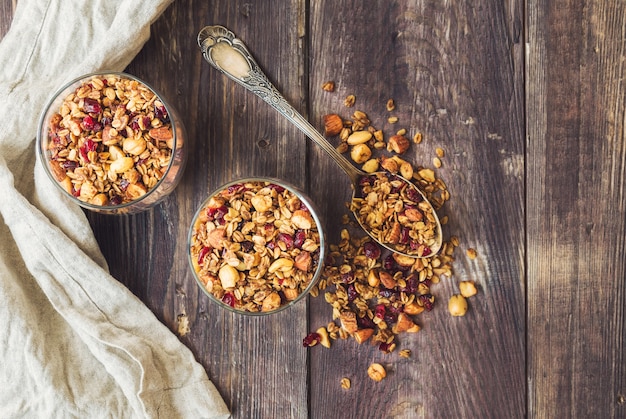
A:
x: 112, y: 143
x: 256, y: 246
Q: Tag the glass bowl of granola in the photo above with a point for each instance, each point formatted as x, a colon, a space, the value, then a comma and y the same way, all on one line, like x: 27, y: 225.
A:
x: 256, y: 246
x: 111, y: 143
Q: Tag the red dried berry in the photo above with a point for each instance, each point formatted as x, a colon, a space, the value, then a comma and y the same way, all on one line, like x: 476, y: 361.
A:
x: 287, y: 239
x: 205, y: 251
x: 91, y: 105
x: 385, y: 347
x: 352, y: 293
x: 380, y: 311
x: 371, y: 250
x: 229, y: 299
x: 88, y: 123
x: 428, y: 301
x: 299, y: 239
x: 311, y: 339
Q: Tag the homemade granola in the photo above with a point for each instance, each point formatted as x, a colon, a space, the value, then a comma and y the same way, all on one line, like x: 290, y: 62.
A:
x: 396, y: 214
x: 110, y: 141
x: 255, y: 246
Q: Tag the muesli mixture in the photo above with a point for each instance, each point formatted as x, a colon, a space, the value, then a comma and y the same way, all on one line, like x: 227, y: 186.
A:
x: 110, y: 141
x: 255, y: 246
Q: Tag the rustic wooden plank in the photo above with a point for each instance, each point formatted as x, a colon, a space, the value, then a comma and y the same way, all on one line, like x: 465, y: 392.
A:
x: 258, y: 365
x: 576, y: 266
x: 455, y: 71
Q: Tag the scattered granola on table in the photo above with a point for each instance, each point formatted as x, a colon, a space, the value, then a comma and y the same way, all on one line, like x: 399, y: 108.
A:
x: 255, y: 246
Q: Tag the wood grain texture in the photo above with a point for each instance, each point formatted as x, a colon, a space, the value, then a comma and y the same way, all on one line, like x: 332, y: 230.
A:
x: 527, y: 100
x: 455, y: 72
x: 575, y: 200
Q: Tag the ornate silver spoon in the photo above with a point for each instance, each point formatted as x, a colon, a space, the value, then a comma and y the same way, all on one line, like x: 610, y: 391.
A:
x: 224, y: 51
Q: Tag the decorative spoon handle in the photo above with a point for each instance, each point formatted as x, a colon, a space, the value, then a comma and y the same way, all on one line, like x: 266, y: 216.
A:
x: 228, y: 54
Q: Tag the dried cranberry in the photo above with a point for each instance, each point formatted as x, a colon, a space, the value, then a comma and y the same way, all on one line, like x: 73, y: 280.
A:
x: 205, y: 251
x: 385, y: 347
x: 390, y: 318
x: 88, y: 145
x: 287, y: 239
x: 311, y: 339
x: 229, y: 299
x: 371, y: 250
x: 380, y: 311
x: 271, y: 245
x: 247, y: 245
x: 217, y: 214
x: 427, y: 251
x: 233, y: 189
x: 299, y: 239
x: 347, y: 278
x: 277, y: 188
x: 88, y: 123
x: 389, y: 263
x: 428, y: 301
x: 91, y: 105
x: 124, y: 184
x: 365, y: 323
x: 115, y: 200
x: 386, y: 292
x: 76, y: 192
x: 414, y: 195
x: 69, y: 165
x: 161, y: 113
x: 411, y: 284
x: 404, y: 235
x: 352, y: 293
x: 134, y: 124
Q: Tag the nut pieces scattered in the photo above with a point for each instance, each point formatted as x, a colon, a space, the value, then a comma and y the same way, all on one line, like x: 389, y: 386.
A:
x: 376, y: 372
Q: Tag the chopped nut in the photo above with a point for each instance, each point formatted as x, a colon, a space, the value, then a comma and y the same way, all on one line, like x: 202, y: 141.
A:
x: 360, y: 153
x: 387, y: 280
x: 370, y: 166
x: 389, y: 165
x: 467, y: 288
x: 324, y: 339
x: 376, y: 372
x: 271, y: 302
x: 361, y: 335
x: 333, y: 124
x: 457, y: 305
x: 439, y: 152
x: 398, y: 143
x: 359, y: 137
x: 328, y: 86
x: 471, y: 253
x: 350, y: 101
x: 345, y: 383
x: 348, y: 321
x: 404, y: 323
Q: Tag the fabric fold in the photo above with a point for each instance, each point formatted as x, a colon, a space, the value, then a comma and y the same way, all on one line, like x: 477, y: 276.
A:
x: 77, y: 343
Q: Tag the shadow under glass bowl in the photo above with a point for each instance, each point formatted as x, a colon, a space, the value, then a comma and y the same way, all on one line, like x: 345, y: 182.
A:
x: 256, y: 246
x: 112, y: 143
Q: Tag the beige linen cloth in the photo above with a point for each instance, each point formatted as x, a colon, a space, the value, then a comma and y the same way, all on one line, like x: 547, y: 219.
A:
x: 74, y: 342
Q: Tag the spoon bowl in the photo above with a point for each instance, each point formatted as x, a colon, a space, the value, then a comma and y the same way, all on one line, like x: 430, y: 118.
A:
x: 412, y: 228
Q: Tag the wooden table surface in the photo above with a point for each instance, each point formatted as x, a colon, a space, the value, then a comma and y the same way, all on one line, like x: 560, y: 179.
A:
x: 527, y: 100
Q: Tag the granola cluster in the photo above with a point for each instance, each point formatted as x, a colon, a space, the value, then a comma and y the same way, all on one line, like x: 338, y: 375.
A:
x: 255, y: 246
x: 111, y: 141
x: 396, y: 214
